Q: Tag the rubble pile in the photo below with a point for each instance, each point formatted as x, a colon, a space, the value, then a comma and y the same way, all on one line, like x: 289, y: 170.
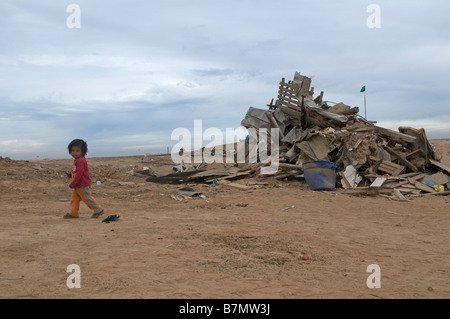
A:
x: 370, y: 159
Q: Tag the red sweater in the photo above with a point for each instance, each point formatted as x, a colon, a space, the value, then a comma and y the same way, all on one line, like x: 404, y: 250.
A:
x: 80, y: 173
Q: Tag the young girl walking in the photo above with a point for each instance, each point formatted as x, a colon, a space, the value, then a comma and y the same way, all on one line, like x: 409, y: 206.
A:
x: 81, y: 182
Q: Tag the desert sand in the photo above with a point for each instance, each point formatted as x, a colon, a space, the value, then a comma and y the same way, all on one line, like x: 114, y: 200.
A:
x: 232, y: 244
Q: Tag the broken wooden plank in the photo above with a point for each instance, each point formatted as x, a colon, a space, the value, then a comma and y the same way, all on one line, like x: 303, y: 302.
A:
x: 236, y: 185
x: 409, y: 186
x: 402, y: 159
x: 439, y: 193
x: 238, y: 174
x: 375, y: 159
x: 421, y: 142
x: 410, y: 179
x: 404, y: 190
x: 390, y: 168
x: 389, y: 196
x: 291, y: 166
x: 378, y: 182
x: 399, y: 195
x: 367, y: 190
x: 395, y: 136
x: 320, y: 99
x: 440, y: 165
x: 372, y: 175
x: 392, y: 184
x: 413, y: 174
x: 365, y: 129
x: 255, y: 167
x: 424, y: 187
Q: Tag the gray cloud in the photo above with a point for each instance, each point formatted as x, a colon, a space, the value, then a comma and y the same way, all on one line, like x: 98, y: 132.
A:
x: 135, y: 71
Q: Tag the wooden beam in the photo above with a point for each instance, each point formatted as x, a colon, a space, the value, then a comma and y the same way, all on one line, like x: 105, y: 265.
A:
x: 367, y: 190
x: 395, y: 136
x: 290, y: 166
x: 440, y: 165
x: 402, y: 159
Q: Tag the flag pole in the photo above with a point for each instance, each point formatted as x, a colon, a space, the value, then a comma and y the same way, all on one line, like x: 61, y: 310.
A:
x: 365, y: 110
x: 363, y: 89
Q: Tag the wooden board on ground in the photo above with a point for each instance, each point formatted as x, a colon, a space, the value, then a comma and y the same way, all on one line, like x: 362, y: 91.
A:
x: 367, y: 190
x: 444, y: 193
x: 405, y: 190
x: 238, y: 174
x: 399, y: 195
x: 235, y: 185
x: 424, y: 187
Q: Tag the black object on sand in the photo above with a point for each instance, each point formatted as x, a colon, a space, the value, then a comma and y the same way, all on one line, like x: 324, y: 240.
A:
x: 110, y: 218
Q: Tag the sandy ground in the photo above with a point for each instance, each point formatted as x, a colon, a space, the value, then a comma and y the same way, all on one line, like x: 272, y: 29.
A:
x: 234, y: 243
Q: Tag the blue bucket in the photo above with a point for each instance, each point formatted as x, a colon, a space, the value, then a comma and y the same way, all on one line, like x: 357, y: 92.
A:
x: 320, y: 175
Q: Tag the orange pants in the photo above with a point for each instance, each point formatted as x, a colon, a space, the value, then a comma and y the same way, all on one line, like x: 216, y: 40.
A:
x: 83, y: 194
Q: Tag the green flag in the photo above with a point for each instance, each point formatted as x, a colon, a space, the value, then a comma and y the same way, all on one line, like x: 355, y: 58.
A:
x: 363, y: 89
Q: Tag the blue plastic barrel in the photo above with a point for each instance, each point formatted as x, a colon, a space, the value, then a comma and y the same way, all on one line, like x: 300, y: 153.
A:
x: 320, y: 175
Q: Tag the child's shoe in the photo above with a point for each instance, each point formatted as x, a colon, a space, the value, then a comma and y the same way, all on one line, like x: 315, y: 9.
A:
x: 69, y: 216
x: 97, y: 215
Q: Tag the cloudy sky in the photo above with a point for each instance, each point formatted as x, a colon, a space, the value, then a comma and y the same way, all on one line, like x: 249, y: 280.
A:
x: 135, y: 70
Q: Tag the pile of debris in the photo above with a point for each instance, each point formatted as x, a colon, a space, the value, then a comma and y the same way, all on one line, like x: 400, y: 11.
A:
x: 370, y: 159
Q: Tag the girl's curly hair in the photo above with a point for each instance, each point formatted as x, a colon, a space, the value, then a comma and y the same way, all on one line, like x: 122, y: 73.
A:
x: 81, y: 143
